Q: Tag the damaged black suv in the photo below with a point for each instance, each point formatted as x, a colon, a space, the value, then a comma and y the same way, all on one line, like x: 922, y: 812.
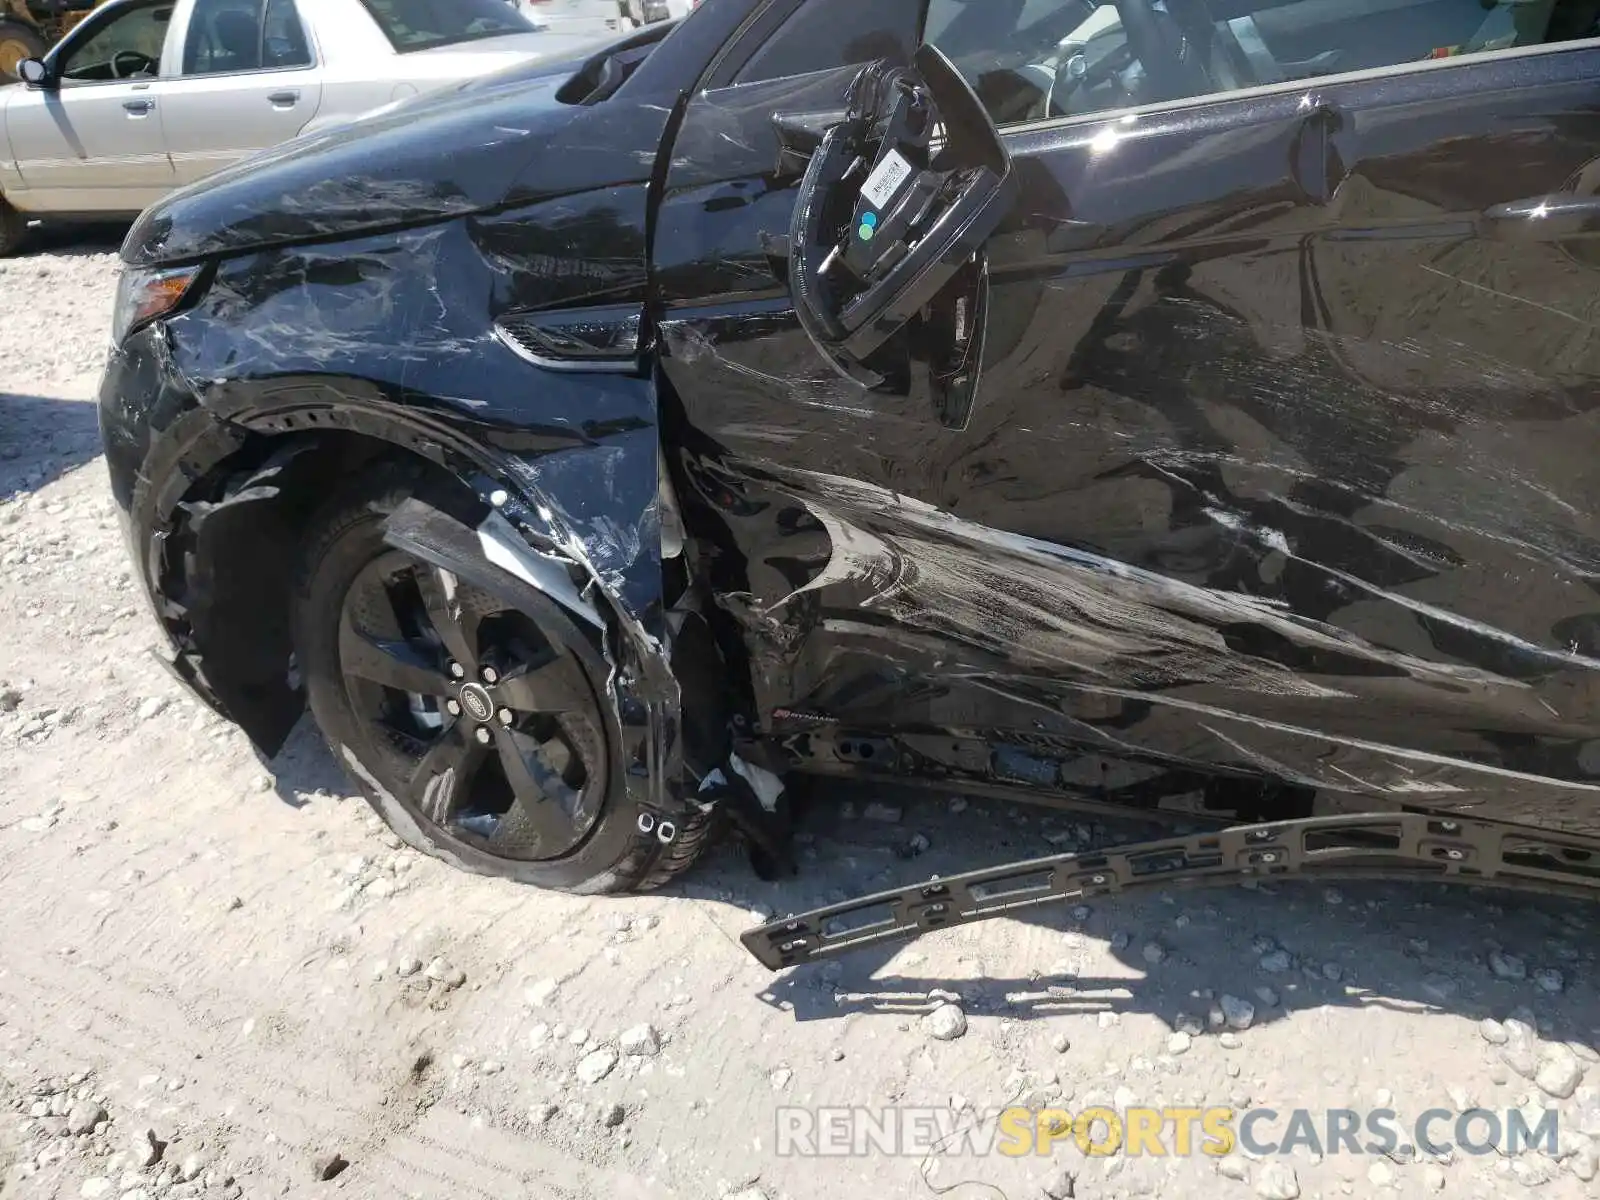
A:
x: 1182, y: 406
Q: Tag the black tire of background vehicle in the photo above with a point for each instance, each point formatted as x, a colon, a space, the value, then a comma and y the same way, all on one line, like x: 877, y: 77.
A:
x: 17, y: 42
x: 13, y: 229
x: 345, y: 536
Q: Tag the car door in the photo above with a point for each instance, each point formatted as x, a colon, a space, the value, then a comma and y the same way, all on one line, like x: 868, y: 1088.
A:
x: 1277, y: 388
x: 247, y: 79
x: 89, y: 139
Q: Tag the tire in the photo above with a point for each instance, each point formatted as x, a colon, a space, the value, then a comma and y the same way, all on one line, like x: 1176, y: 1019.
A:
x: 13, y: 230
x: 17, y: 42
x: 537, y: 795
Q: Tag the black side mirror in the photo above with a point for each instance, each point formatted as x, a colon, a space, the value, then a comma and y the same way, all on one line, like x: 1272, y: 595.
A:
x: 33, y: 72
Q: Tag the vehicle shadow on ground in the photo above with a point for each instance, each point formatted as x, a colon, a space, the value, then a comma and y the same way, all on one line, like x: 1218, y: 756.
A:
x: 1282, y: 947
x: 72, y: 239
x: 305, y: 768
x: 42, y: 438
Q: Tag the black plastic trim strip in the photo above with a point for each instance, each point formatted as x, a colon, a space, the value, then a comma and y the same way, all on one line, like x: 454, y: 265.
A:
x: 1401, y: 846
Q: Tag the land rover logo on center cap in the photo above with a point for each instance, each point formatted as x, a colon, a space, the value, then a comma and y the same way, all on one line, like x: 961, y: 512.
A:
x: 477, y: 703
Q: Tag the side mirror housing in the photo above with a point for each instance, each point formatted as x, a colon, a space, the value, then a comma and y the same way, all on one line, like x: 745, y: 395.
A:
x: 34, y: 73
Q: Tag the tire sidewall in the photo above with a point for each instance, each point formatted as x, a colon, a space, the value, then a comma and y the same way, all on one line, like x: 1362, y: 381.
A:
x: 13, y: 229
x: 349, y: 541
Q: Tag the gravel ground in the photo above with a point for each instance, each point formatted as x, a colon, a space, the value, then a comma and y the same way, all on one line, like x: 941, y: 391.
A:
x: 220, y: 977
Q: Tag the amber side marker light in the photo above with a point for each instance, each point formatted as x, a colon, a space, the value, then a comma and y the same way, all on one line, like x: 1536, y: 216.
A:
x: 143, y: 296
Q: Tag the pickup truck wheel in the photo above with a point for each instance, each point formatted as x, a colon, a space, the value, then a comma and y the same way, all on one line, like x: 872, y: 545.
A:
x: 17, y: 42
x: 480, y: 733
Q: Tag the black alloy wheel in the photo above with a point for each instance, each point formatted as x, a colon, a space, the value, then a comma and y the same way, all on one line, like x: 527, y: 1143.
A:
x: 480, y: 730
x: 491, y: 730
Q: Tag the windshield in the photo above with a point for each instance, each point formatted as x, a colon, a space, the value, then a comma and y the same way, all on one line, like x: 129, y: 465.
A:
x: 423, y: 24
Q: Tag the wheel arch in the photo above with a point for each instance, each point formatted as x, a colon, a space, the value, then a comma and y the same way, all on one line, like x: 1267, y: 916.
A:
x: 223, y: 505
x: 217, y: 541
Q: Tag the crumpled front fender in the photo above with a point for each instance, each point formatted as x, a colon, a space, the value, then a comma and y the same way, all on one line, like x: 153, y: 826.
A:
x: 386, y: 346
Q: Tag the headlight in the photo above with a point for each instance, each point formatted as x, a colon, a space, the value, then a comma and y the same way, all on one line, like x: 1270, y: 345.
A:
x: 144, y: 295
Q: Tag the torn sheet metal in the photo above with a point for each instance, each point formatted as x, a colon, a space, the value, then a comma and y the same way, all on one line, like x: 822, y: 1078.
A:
x: 391, y: 337
x: 882, y: 612
x: 1278, y: 467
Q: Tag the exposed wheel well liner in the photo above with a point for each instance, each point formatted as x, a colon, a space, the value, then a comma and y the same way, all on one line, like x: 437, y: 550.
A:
x: 224, y: 573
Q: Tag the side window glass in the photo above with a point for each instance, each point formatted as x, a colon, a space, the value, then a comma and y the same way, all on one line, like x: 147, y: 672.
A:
x: 128, y: 47
x: 1036, y: 59
x: 224, y: 36
x: 283, y: 37
x: 824, y: 34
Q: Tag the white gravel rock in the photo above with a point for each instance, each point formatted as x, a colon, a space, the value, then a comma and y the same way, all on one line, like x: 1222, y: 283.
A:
x: 1277, y: 1181
x: 447, y: 976
x: 641, y: 1041
x: 1559, y: 1072
x: 84, y: 1117
x: 596, y: 1066
x: 1520, y: 1051
x: 1507, y: 966
x: 539, y: 994
x: 1060, y: 1186
x: 146, y: 1148
x: 1439, y: 987
x: 1238, y: 1013
x: 1548, y: 979
x: 1234, y: 1166
x: 1532, y: 1171
x: 945, y: 1023
x: 1585, y: 1161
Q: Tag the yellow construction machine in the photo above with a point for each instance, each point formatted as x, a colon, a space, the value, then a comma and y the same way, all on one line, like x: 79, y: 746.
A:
x: 28, y: 28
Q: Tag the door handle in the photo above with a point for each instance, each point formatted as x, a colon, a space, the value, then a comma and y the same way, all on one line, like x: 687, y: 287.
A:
x: 283, y: 99
x: 138, y: 108
x: 1541, y: 219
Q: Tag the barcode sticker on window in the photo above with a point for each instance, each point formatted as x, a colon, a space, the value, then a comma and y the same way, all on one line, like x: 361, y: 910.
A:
x: 886, y: 179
